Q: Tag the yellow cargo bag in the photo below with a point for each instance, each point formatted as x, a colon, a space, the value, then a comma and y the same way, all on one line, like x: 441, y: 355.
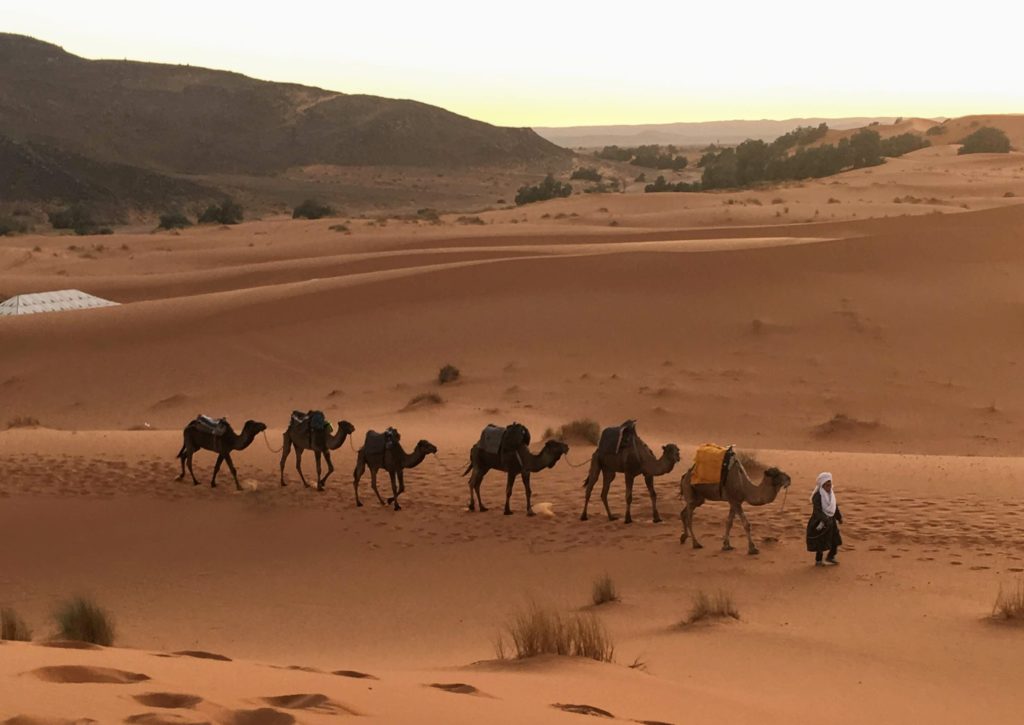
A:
x: 707, y: 464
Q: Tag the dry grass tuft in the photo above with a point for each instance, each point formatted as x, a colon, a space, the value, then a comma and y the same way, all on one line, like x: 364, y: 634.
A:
x: 23, y: 421
x: 423, y: 400
x: 536, y: 631
x: 82, y: 620
x: 750, y: 462
x: 707, y: 607
x: 604, y: 591
x: 582, y: 429
x: 1009, y: 606
x: 13, y: 627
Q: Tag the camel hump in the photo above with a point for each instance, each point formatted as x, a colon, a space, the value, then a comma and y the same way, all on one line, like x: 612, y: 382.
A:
x: 617, y: 438
x: 209, y: 424
x: 378, y: 442
x: 315, y: 419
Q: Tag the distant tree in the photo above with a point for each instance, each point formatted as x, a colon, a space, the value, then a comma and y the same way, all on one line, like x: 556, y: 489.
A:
x: 311, y: 209
x: 986, y: 140
x: 866, y: 147
x: 586, y: 173
x: 174, y: 220
x: 662, y: 185
x: 936, y: 130
x: 549, y: 188
x: 75, y: 217
x: 903, y: 144
x: 10, y: 225
x: 227, y: 212
x: 614, y: 153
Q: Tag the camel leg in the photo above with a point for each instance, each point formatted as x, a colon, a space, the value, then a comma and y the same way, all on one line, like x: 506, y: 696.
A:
x: 234, y: 473
x: 298, y: 466
x: 751, y: 549
x: 472, y: 502
x: 649, y: 480
x: 188, y: 460
x: 630, y: 477
x: 687, y: 516
x: 319, y: 470
x: 182, y: 454
x: 330, y: 470
x: 606, y: 486
x: 216, y: 468
x: 726, y: 546
x: 358, y: 474
x: 508, y: 492
x: 529, y: 494
x: 400, y: 473
x: 394, y: 489
x: 286, y: 448
x: 588, y: 485
x: 373, y: 485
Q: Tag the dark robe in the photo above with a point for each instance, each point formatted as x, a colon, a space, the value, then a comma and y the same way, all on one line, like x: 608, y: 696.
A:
x: 827, y: 537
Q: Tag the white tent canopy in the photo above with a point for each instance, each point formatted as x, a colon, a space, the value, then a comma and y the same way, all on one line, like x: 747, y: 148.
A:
x: 59, y: 301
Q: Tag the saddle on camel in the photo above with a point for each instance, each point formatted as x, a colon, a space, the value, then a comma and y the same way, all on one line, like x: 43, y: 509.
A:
x: 618, y: 438
x: 499, y: 440
x: 711, y: 464
x: 312, y: 424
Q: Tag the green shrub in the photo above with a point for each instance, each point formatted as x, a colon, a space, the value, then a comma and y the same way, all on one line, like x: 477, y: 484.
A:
x: 448, y: 374
x: 174, y: 220
x: 986, y: 140
x: 13, y: 627
x: 76, y: 218
x: 430, y: 215
x: 81, y: 620
x: 470, y: 220
x: 549, y: 188
x: 936, y: 131
x: 661, y: 185
x: 903, y: 144
x: 10, y: 226
x: 311, y: 209
x: 227, y: 212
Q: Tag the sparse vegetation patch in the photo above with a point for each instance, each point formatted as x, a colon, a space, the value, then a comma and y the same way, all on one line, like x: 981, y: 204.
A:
x: 711, y: 606
x: 227, y: 212
x: 604, y: 591
x: 312, y: 209
x: 448, y: 374
x: 82, y: 620
x: 1009, y: 605
x: 549, y: 188
x: 537, y: 631
x: 13, y: 627
x: 582, y: 429
x: 174, y: 220
x: 986, y: 140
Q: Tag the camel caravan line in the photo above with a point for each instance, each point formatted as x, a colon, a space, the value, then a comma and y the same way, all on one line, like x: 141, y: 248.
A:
x: 716, y: 474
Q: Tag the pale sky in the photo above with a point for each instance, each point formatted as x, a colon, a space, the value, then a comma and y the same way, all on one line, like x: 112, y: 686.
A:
x: 551, y: 63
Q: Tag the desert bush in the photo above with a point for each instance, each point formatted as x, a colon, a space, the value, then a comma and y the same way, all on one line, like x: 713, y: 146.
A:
x: 339, y: 227
x: 586, y: 173
x: 470, y: 220
x: 750, y: 461
x: 706, y: 606
x: 311, y: 209
x: 1009, y: 604
x: 582, y: 429
x: 10, y: 225
x: 549, y: 188
x: 430, y: 215
x: 604, y: 591
x: 23, y: 421
x: 1009, y: 195
x: 174, y: 220
x: 903, y: 144
x: 228, y: 211
x: 76, y: 218
x: 82, y: 620
x: 662, y: 185
x: 13, y: 627
x: 536, y: 631
x: 986, y: 140
x: 448, y: 374
x: 936, y: 131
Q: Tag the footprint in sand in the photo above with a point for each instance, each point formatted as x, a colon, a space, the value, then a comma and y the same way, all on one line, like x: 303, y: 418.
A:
x: 354, y: 674
x: 200, y: 654
x: 459, y: 688
x: 74, y: 674
x: 261, y: 716
x: 583, y: 710
x: 69, y: 644
x: 311, y: 702
x: 163, y: 718
x: 30, y: 720
x: 170, y: 700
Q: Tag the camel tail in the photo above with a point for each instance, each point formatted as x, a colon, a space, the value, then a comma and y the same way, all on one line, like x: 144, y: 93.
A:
x: 468, y: 468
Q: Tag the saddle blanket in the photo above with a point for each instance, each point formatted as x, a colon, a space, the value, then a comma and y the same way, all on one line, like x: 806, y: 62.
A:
x: 213, y: 426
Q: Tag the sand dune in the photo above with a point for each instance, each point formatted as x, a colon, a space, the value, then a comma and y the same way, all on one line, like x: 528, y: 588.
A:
x: 869, y: 336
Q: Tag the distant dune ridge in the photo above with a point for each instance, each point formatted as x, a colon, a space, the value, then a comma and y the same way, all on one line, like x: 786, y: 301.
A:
x: 92, y: 128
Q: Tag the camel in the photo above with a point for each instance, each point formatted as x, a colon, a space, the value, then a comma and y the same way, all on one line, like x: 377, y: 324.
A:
x: 633, y: 459
x: 198, y: 436
x: 737, y: 489
x: 393, y: 459
x: 520, y: 462
x: 299, y: 435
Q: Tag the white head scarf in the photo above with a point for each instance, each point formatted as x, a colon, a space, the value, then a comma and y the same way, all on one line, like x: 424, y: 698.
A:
x: 828, y: 498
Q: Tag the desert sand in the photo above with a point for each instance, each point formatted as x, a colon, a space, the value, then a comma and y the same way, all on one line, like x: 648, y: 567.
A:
x: 866, y: 324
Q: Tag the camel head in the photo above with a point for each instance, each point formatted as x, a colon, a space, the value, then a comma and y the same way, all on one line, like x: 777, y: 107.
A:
x: 427, y: 447
x: 346, y: 426
x: 671, y: 452
x: 254, y: 426
x: 556, y: 449
x: 777, y: 478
